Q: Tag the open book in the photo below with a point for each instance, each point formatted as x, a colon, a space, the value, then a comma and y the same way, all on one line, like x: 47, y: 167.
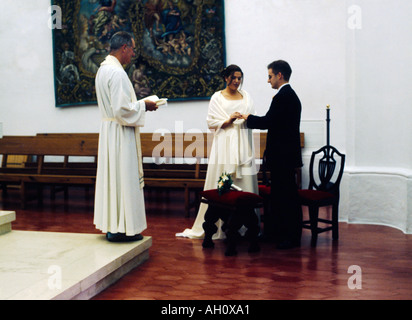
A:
x: 158, y: 101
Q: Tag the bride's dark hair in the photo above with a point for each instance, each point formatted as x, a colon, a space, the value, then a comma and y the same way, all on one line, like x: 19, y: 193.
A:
x: 229, y: 71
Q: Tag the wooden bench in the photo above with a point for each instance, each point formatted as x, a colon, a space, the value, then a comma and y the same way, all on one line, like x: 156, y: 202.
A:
x: 173, y: 160
x: 40, y: 173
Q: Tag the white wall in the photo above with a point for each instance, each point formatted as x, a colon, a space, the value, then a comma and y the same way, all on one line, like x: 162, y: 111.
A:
x: 377, y: 186
x: 362, y: 69
x: 257, y: 32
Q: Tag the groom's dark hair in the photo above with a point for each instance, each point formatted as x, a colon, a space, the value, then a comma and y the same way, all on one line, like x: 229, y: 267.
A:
x: 281, y: 66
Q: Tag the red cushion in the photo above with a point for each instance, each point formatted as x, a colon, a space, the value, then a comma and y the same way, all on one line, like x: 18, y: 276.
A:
x: 264, y: 190
x: 314, y: 195
x: 232, y: 198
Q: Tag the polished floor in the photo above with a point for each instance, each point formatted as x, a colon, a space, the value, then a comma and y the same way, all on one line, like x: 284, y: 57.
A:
x: 368, y: 262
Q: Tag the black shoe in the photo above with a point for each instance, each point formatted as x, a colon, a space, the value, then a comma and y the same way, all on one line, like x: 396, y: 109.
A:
x: 136, y: 237
x: 121, y: 237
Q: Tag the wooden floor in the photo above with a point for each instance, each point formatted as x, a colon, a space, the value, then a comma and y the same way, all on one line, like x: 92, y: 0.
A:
x: 179, y: 269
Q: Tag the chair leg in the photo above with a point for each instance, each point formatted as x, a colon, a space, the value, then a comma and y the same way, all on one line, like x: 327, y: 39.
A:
x: 335, y: 223
x: 313, y: 216
x: 209, y: 226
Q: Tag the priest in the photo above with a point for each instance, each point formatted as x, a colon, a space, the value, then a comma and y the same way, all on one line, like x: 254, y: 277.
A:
x: 119, y: 201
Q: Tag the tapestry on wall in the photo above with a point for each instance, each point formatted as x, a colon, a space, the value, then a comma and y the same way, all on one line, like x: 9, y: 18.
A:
x: 180, y: 48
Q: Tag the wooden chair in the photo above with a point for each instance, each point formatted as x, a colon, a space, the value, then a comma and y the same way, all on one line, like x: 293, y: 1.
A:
x: 323, y: 190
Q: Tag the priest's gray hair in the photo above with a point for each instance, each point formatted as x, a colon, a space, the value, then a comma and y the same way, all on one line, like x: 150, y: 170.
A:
x: 119, y: 39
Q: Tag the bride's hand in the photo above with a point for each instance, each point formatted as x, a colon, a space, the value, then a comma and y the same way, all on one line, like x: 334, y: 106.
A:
x: 235, y: 115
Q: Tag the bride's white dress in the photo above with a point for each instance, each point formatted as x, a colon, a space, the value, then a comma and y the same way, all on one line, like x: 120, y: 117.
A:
x: 232, y: 152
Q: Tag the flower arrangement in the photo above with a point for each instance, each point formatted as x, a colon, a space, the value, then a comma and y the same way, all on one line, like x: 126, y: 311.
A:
x: 224, y: 183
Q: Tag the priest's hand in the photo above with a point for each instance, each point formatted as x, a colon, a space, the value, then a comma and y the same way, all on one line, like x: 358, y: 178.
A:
x: 150, y: 105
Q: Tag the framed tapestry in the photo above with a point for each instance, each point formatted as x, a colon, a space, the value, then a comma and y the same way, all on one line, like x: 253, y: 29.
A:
x: 180, y: 46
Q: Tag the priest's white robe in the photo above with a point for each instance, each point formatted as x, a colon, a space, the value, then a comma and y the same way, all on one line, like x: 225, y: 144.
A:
x: 119, y: 200
x: 232, y: 152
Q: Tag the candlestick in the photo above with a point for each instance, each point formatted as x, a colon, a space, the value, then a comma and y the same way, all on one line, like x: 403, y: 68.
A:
x: 327, y: 124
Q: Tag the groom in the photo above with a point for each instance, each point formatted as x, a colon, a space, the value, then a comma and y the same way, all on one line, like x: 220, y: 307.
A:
x: 283, y: 224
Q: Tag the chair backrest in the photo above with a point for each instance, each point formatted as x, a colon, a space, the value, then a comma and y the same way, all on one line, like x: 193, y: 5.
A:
x: 326, y: 177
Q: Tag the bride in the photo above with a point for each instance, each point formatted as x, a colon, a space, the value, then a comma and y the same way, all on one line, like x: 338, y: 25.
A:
x: 232, y: 148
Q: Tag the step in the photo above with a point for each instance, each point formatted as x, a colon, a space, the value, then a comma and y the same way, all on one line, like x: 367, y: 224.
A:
x: 6, y: 218
x: 63, y: 266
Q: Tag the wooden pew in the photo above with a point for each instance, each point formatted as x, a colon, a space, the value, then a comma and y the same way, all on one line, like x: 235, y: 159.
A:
x: 174, y: 160
x: 40, y: 147
x: 188, y: 173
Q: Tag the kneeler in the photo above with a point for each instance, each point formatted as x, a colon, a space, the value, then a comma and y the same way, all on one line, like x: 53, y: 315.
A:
x: 235, y: 209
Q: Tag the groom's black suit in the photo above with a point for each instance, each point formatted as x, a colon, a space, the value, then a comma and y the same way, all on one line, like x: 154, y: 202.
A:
x: 283, y: 156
